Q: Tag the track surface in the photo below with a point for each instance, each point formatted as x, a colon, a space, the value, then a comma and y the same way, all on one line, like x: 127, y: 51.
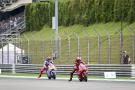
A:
x: 43, y: 84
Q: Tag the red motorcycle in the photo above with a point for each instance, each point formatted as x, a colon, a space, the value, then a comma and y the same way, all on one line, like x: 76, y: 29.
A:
x: 82, y: 73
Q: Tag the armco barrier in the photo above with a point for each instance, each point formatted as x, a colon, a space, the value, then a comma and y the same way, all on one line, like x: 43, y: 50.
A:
x: 93, y: 69
x: 133, y: 70
x: 6, y: 68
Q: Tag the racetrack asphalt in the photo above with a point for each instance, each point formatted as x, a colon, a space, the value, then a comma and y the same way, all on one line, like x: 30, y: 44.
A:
x: 44, y: 84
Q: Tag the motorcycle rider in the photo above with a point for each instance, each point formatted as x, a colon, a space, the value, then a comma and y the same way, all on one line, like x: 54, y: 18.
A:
x: 79, y: 67
x: 47, y: 62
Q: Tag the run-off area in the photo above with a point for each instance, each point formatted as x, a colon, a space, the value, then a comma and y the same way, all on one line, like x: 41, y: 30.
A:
x: 43, y: 84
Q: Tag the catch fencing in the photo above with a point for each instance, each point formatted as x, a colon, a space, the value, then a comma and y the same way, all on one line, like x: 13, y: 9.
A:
x: 94, y: 48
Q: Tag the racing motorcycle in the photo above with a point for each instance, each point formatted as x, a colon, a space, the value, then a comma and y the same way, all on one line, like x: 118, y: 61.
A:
x: 51, y: 71
x: 82, y: 73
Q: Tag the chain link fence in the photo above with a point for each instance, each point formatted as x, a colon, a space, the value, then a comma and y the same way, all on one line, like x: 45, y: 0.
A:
x: 93, y: 49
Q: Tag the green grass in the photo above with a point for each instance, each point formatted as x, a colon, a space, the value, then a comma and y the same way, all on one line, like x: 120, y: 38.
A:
x: 47, y: 33
x: 44, y: 38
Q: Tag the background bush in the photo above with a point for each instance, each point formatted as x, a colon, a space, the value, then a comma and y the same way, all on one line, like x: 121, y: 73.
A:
x: 83, y: 12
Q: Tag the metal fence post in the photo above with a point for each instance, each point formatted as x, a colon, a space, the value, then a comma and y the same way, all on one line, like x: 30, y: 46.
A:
x: 88, y: 50
x: 35, y: 49
x: 133, y: 43
x: 69, y: 47
x: 121, y: 47
x: 109, y: 46
x: 133, y: 46
x: 98, y: 48
x: 98, y: 45
x: 8, y: 53
x: 69, y: 43
x: 36, y: 54
x: 15, y: 52
x: 28, y: 45
x: 2, y: 51
x: 21, y: 41
x: 59, y: 46
x: 43, y: 50
x: 78, y: 44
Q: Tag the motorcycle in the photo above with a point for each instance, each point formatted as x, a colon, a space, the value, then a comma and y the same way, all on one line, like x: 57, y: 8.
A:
x: 84, y: 77
x: 82, y: 73
x: 51, y: 71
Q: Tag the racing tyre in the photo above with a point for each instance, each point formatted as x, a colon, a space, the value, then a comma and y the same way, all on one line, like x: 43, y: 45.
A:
x: 81, y: 79
x: 85, y: 78
x: 49, y: 77
x: 53, y: 75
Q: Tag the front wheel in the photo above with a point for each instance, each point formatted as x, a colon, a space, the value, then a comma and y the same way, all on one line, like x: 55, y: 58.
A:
x: 53, y: 75
x: 85, y: 78
x: 49, y: 77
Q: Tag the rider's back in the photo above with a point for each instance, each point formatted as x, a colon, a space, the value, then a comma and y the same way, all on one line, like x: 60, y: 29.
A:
x: 82, y: 67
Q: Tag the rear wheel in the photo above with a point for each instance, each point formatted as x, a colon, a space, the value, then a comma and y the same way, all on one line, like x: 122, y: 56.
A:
x: 85, y: 78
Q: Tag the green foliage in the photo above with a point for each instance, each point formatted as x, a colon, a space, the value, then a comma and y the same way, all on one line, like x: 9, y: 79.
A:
x: 38, y: 14
x: 131, y: 14
x: 83, y: 12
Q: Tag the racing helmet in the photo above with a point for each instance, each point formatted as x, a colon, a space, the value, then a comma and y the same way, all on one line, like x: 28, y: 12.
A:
x: 78, y: 59
x: 49, y: 58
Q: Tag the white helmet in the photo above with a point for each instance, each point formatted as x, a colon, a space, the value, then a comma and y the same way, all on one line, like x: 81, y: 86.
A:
x: 78, y: 58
